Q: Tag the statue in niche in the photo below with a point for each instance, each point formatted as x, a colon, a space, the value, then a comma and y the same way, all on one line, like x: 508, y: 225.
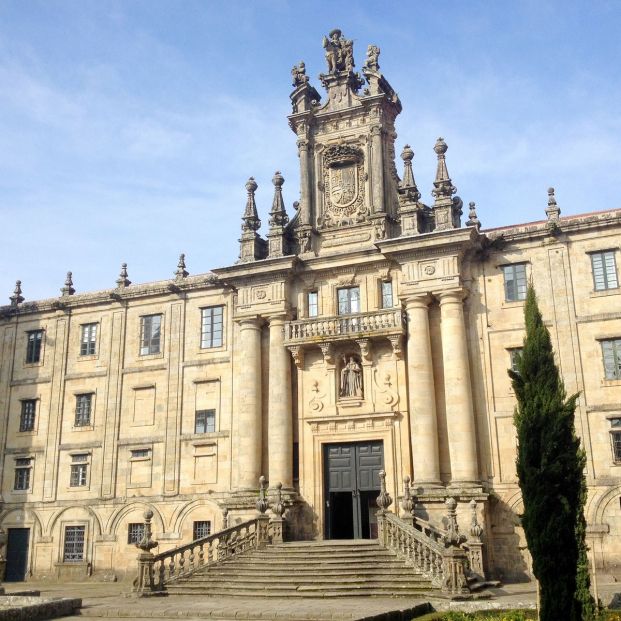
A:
x: 351, y: 378
x: 339, y: 52
x: 298, y: 73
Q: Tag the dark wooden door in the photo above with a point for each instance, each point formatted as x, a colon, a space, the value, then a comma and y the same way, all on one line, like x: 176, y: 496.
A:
x: 17, y: 554
x: 351, y: 486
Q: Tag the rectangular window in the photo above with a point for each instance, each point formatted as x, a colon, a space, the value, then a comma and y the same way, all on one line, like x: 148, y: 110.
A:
x: 205, y: 421
x: 33, y: 349
x: 387, y: 301
x: 150, y: 332
x: 83, y: 405
x: 73, y: 551
x: 201, y: 529
x: 604, y: 270
x: 615, y: 437
x: 611, y: 351
x: 211, y: 326
x: 27, y: 417
x: 514, y: 354
x: 313, y: 303
x: 135, y: 532
x: 23, y: 466
x: 88, y: 342
x: 140, y: 453
x: 515, y: 281
x: 79, y: 470
x: 349, y: 300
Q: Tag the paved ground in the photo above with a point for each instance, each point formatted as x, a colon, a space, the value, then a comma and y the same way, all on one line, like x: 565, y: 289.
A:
x: 112, y: 601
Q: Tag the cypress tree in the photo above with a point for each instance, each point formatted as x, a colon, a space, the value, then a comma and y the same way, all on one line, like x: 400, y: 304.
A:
x: 550, y: 468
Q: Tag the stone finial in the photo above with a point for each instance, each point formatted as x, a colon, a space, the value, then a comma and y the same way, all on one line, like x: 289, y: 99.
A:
x: 225, y: 518
x: 146, y: 543
x: 17, y: 297
x: 298, y: 74
x: 472, y: 216
x: 262, y: 504
x: 279, y: 507
x: 278, y: 214
x: 384, y: 499
x: 68, y: 288
x: 408, y: 184
x: 452, y: 535
x: 553, y: 211
x: 475, y: 528
x: 443, y: 187
x: 407, y: 504
x: 250, y: 218
x: 372, y: 59
x: 181, y: 271
x: 123, y: 281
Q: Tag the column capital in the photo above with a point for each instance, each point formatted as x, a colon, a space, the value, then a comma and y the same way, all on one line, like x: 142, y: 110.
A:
x: 249, y: 323
x: 418, y: 300
x: 451, y: 295
x: 277, y: 320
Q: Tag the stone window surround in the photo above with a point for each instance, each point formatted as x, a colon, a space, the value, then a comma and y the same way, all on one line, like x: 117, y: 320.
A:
x: 615, y: 437
x: 36, y: 415
x: 83, y: 328
x: 30, y: 467
x: 602, y: 251
x: 160, y: 352
x: 85, y: 462
x: 41, y: 359
x: 527, y: 275
x: 222, y: 346
x: 608, y: 381
x: 91, y: 424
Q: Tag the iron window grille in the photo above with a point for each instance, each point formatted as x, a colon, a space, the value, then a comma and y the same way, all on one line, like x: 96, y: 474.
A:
x: 73, y: 551
x: 33, y: 348
x: 135, y: 532
x: 515, y: 282
x: 212, y: 326
x: 28, y: 415
x: 201, y: 529
x: 150, y: 334
x: 88, y: 342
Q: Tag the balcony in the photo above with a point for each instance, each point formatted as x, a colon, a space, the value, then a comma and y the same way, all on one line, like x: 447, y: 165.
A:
x: 389, y: 322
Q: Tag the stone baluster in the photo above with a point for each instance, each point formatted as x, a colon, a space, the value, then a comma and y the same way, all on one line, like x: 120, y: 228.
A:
x: 458, y: 391
x: 262, y: 504
x: 422, y: 396
x: 277, y: 522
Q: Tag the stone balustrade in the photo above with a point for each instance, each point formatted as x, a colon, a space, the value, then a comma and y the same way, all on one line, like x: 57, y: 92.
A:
x: 360, y: 325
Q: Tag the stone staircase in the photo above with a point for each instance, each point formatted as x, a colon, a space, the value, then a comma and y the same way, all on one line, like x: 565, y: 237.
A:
x: 308, y: 569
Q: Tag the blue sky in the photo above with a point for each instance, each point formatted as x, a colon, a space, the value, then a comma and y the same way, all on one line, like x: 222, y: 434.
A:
x: 128, y: 129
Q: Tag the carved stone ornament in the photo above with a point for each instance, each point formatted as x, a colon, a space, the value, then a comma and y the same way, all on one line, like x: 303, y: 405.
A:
x: 339, y: 52
x: 262, y: 503
x: 351, y: 378
x: 384, y: 500
x: 298, y: 74
x: 343, y: 172
x: 316, y: 401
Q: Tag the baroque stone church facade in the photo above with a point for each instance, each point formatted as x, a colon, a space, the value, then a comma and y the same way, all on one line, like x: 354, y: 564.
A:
x: 368, y: 332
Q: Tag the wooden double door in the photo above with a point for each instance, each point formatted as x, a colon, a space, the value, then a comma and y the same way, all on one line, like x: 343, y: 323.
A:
x: 351, y: 488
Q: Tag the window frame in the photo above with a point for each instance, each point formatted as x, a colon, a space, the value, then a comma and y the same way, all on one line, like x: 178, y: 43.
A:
x: 28, y: 417
x: 75, y: 554
x: 34, y: 348
x: 521, y: 284
x: 79, y: 414
x: 150, y: 345
x: 513, y: 351
x: 347, y: 303
x: 312, y: 303
x: 602, y: 254
x: 384, y: 296
x: 615, y: 438
x: 209, y: 416
x: 23, y: 474
x: 88, y: 346
x: 196, y: 529
x: 614, y: 354
x: 208, y: 338
x: 79, y: 470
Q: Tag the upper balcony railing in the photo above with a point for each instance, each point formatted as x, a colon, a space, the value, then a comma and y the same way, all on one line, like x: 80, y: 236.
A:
x: 341, y: 327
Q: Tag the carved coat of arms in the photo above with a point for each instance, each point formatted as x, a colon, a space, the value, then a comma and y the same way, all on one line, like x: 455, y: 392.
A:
x: 343, y: 185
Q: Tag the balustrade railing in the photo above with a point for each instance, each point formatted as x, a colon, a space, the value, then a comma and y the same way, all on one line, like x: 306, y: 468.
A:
x: 317, y: 328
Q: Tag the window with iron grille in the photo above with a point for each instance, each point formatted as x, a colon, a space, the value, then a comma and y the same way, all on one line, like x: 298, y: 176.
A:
x: 514, y: 354
x: 515, y: 282
x: 604, y: 270
x: 83, y: 405
x: 27, y: 416
x: 205, y: 421
x: 135, y: 532
x: 611, y: 351
x: 201, y: 529
x: 150, y: 334
x: 88, y: 342
x: 313, y: 303
x: 23, y: 466
x: 73, y: 551
x: 79, y: 470
x: 615, y: 437
x: 211, y: 326
x: 349, y: 300
x: 33, y: 347
x: 387, y: 301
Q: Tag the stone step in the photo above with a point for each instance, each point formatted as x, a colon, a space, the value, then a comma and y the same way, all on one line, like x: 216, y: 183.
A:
x: 299, y: 580
x: 323, y: 555
x: 233, y: 570
x: 321, y: 591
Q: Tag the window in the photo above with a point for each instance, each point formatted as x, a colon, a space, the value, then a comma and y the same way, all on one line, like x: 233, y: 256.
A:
x: 514, y: 354
x: 33, y: 349
x: 611, y: 350
x: 83, y: 405
x: 312, y: 299
x: 349, y: 300
x: 515, y: 282
x: 27, y: 417
x: 205, y: 421
x: 79, y: 470
x: 140, y: 454
x: 150, y: 326
x: 89, y: 339
x: 604, y: 270
x: 135, y: 532
x: 73, y: 552
x: 211, y: 326
x: 201, y: 529
x: 387, y: 294
x: 23, y: 466
x: 615, y: 437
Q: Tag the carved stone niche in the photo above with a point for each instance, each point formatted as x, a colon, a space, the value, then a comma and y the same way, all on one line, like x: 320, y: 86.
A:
x: 343, y: 184
x: 350, y: 379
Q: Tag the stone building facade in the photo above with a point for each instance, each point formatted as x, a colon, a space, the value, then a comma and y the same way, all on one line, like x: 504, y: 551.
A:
x: 370, y: 331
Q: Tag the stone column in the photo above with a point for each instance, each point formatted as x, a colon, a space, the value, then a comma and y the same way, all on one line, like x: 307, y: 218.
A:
x: 377, y: 169
x: 280, y: 425
x: 458, y: 389
x: 249, y: 390
x: 305, y: 182
x: 422, y: 396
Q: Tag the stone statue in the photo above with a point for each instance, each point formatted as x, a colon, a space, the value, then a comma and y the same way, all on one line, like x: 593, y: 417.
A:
x: 351, y: 378
x: 298, y: 73
x: 371, y: 61
x: 339, y: 52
